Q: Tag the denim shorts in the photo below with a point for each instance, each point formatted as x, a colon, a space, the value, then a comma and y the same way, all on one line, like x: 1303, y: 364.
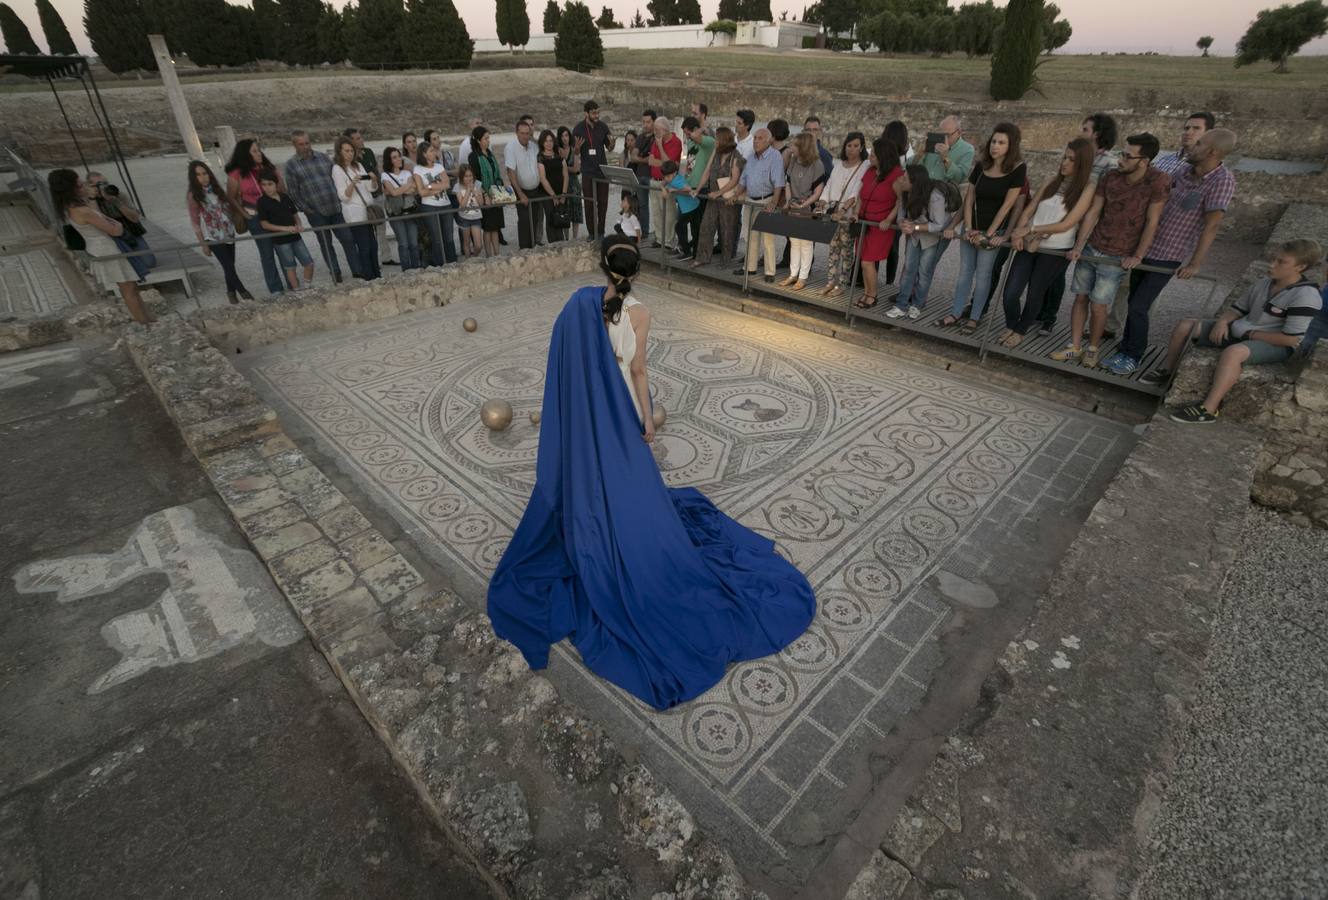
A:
x: 1099, y: 280
x: 1262, y: 353
x: 295, y: 250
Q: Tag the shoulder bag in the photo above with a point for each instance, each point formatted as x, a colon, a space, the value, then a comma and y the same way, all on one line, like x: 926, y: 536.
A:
x: 373, y: 213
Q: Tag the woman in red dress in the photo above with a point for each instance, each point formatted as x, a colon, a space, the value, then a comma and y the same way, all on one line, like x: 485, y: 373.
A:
x: 876, y: 208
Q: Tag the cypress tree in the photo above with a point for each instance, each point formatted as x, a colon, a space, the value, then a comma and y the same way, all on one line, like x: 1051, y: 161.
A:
x: 577, y: 45
x: 58, y: 41
x: 300, y: 20
x: 689, y: 12
x: 513, y: 22
x: 271, y: 28
x: 552, y: 12
x: 331, y: 35
x: 379, y: 27
x: 434, y: 33
x: 637, y: 21
x: 118, y: 32
x: 1015, y: 59
x: 18, y: 39
x: 211, y: 34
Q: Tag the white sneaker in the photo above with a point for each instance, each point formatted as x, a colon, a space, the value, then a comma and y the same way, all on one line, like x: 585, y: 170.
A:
x: 895, y: 312
x: 914, y: 312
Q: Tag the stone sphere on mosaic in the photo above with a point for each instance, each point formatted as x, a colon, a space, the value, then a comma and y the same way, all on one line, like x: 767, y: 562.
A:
x: 470, y: 324
x: 496, y: 414
x: 535, y: 417
x: 659, y: 415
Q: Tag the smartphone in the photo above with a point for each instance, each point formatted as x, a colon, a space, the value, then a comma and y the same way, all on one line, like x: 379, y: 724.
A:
x: 365, y: 177
x: 934, y: 138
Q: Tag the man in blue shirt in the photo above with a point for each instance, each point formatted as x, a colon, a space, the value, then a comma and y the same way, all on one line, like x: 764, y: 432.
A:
x: 760, y: 187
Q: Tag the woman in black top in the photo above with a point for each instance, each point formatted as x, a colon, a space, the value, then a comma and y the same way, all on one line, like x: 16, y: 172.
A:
x: 998, y: 177
x: 568, y: 150
x: 553, y: 178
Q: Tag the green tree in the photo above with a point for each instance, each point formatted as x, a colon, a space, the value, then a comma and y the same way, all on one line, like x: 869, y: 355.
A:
x: 552, y: 11
x: 1204, y: 43
x: 637, y: 21
x: 1055, y: 30
x: 662, y: 12
x: 434, y: 33
x: 1014, y: 62
x: 377, y: 30
x: 58, y: 41
x: 940, y: 35
x: 300, y: 18
x: 838, y: 16
x: 577, y: 45
x: 975, y: 27
x: 271, y: 28
x: 745, y: 10
x: 513, y: 22
x: 118, y: 32
x: 1278, y: 34
x: 606, y: 20
x: 18, y: 39
x: 689, y: 12
x: 331, y: 34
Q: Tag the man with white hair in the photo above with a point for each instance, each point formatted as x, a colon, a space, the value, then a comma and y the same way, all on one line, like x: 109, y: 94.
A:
x: 762, y: 182
x: 663, y: 209
x: 951, y: 158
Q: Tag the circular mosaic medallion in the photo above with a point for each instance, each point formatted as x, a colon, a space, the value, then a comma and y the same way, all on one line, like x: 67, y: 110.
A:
x: 347, y: 427
x: 883, y: 463
x: 758, y: 408
x: 952, y: 502
x: 1007, y: 445
x: 441, y: 509
x: 365, y: 440
x: 929, y: 525
x: 512, y: 378
x: 872, y: 579
x: 971, y: 480
x: 811, y: 652
x: 469, y: 529
x: 422, y: 489
x: 1022, y: 432
x: 990, y: 462
x: 801, y: 519
x: 900, y: 550
x: 844, y: 611
x: 910, y: 437
x: 763, y: 689
x: 385, y: 455
x: 713, y: 359
x: 402, y: 470
x: 938, y: 417
x: 717, y: 733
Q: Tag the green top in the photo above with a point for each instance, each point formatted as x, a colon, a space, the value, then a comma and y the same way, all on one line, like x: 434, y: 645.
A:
x: 704, y: 151
x: 961, y: 163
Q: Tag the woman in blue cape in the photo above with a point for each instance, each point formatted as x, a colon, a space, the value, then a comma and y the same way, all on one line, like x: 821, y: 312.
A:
x: 656, y: 588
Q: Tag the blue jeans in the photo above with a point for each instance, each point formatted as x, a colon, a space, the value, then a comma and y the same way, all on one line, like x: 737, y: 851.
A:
x: 442, y: 244
x: 408, y: 242
x: 326, y: 245
x: 919, y: 267
x: 975, y: 267
x: 1144, y: 290
x: 293, y: 253
x: 141, y: 264
x: 366, y: 248
x: 643, y: 203
x: 267, y: 257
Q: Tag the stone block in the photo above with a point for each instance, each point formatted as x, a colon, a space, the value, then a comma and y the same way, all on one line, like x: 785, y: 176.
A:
x: 366, y: 549
x: 342, y: 523
x: 274, y: 543
x: 318, y: 585
x: 881, y: 879
x: 912, y: 834
x: 253, y: 502
x: 391, y: 578
x: 272, y: 519
x: 304, y: 559
x: 328, y: 616
x: 310, y: 488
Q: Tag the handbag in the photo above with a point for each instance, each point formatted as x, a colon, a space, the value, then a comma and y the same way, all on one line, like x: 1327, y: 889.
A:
x: 373, y: 213
x: 560, y: 215
x: 401, y: 204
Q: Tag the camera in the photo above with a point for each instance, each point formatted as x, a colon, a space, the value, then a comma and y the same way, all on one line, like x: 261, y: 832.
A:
x: 109, y: 190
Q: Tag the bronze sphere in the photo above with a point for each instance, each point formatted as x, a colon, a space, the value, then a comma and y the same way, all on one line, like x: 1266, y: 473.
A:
x: 496, y: 415
x: 535, y: 417
x: 659, y: 415
x: 470, y: 324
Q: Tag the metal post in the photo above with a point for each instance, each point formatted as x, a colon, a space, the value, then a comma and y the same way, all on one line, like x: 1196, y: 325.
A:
x: 169, y: 81
x: 108, y: 128
x: 1000, y: 292
x: 69, y: 125
x: 852, y: 281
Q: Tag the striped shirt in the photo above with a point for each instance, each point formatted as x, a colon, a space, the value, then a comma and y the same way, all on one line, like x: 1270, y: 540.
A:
x: 1289, y: 311
x: 1192, y: 197
x: 1170, y: 162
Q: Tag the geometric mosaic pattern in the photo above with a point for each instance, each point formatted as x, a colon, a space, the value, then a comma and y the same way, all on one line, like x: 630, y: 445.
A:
x: 870, y: 474
x: 31, y: 285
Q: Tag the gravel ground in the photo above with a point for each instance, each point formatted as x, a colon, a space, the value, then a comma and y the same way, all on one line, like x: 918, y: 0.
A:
x: 1246, y: 815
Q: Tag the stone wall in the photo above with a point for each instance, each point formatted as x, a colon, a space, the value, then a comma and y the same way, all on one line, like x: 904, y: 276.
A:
x: 1287, y: 404
x: 236, y: 329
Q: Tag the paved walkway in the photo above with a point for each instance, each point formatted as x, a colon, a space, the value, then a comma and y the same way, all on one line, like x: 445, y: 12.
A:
x: 168, y: 730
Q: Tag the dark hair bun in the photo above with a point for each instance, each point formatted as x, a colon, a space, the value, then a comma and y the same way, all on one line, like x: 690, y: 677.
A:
x: 620, y: 260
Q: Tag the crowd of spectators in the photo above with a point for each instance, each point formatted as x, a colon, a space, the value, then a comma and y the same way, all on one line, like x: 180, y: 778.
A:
x: 1116, y: 220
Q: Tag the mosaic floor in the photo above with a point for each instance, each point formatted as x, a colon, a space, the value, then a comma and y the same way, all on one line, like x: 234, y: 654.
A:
x: 872, y: 475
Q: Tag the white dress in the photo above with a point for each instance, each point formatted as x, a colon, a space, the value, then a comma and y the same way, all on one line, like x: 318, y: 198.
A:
x: 622, y: 338
x: 109, y: 273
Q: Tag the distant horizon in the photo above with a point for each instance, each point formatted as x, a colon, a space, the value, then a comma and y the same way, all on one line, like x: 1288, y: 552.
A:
x: 1098, y: 28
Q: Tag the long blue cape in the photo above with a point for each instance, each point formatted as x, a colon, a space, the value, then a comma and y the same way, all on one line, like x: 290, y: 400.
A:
x: 658, y: 590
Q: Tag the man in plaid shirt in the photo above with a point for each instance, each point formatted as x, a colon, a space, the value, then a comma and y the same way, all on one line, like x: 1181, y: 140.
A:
x: 309, y: 184
x: 1201, y: 191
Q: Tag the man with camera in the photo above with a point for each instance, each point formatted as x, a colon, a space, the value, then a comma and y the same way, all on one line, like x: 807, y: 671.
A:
x: 111, y: 204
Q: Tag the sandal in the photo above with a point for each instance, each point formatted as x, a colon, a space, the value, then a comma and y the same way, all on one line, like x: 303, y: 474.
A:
x: 949, y: 320
x: 832, y: 292
x: 863, y: 304
x: 969, y: 326
x: 1012, y: 340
